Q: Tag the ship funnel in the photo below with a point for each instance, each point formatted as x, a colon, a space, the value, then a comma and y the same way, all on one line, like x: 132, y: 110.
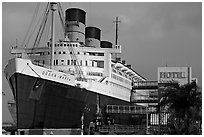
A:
x: 106, y: 44
x: 93, y: 36
x: 75, y: 21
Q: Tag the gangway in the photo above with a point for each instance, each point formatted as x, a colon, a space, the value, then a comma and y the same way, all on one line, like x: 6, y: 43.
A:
x: 144, y: 99
x: 145, y: 85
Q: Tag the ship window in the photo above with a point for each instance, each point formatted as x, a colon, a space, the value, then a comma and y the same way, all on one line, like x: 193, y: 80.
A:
x: 47, y: 53
x: 70, y: 52
x: 81, y: 62
x: 64, y: 45
x: 71, y: 62
x: 74, y: 62
x: 54, y: 52
x: 56, y: 62
x: 68, y: 62
x: 86, y: 63
x: 78, y: 52
x: 68, y: 45
x: 64, y: 52
x: 62, y: 60
x: 100, y: 64
x: 61, y: 45
x: 91, y: 53
x: 58, y: 45
x: 92, y: 63
x: 100, y: 54
x: 59, y: 52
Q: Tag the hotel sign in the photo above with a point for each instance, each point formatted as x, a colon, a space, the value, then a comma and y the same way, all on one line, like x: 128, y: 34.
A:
x: 182, y: 75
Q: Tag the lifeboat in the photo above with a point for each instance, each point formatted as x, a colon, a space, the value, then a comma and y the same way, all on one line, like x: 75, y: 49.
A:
x: 124, y: 69
x: 118, y: 65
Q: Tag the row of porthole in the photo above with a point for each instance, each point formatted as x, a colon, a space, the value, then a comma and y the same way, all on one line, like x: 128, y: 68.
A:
x: 69, y: 62
x: 95, y: 74
x: 73, y: 62
x: 61, y: 52
x: 65, y: 45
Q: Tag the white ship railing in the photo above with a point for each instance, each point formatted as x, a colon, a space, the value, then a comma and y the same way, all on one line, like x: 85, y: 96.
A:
x: 128, y: 109
x: 145, y: 84
x: 131, y: 109
x: 121, y: 129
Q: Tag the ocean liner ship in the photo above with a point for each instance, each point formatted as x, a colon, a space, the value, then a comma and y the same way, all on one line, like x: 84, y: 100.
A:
x: 58, y: 84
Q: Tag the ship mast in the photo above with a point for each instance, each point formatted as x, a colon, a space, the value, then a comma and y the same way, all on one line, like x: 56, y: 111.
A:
x: 53, y: 9
x: 115, y: 56
x: 116, y: 30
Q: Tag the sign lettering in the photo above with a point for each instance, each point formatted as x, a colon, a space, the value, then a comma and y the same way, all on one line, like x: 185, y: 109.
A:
x: 179, y: 75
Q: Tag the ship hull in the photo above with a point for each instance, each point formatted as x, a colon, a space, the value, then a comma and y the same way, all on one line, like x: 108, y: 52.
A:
x: 46, y: 98
x: 47, y: 104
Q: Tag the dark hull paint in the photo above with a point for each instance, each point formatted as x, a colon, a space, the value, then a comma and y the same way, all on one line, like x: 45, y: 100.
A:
x: 47, y: 104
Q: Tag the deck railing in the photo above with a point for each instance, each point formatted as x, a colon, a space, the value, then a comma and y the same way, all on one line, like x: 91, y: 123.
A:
x: 128, y: 109
x: 121, y: 129
x: 146, y: 84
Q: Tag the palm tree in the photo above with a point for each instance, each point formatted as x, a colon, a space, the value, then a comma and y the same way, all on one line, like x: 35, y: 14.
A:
x: 184, y: 106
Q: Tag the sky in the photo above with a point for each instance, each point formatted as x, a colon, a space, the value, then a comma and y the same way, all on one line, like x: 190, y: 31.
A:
x: 151, y: 34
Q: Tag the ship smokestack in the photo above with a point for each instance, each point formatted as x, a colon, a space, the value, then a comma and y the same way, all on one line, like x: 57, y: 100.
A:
x: 106, y: 44
x: 75, y: 22
x: 93, y: 37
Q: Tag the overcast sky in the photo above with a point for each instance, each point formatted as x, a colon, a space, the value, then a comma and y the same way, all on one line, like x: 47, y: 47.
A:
x: 151, y: 34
